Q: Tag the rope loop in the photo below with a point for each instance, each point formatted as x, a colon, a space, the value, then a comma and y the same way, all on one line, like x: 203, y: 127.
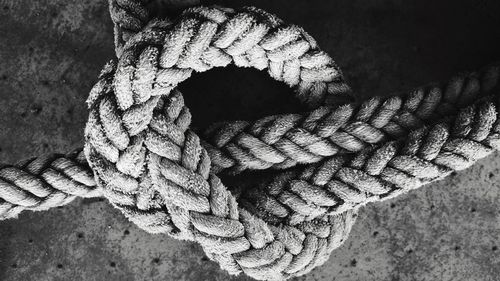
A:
x: 154, y: 168
x: 148, y: 162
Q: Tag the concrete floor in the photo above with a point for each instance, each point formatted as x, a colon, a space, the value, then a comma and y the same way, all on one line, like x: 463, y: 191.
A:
x: 52, y: 50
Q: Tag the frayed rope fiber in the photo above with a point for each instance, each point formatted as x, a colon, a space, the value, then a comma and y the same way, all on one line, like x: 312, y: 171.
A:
x: 141, y: 154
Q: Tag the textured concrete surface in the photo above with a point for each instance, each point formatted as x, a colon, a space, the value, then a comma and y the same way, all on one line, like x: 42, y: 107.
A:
x: 52, y: 50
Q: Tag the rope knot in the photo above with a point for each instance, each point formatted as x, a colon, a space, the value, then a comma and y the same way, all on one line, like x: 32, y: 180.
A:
x: 147, y: 161
x: 163, y: 177
x: 158, y: 172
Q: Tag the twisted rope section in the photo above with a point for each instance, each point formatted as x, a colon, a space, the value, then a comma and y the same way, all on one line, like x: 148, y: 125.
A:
x: 231, y: 145
x: 152, y: 166
x: 118, y: 155
x: 204, y: 38
x: 45, y: 182
x: 283, y: 141
x: 377, y: 173
x: 146, y: 182
x: 144, y: 154
x: 129, y: 17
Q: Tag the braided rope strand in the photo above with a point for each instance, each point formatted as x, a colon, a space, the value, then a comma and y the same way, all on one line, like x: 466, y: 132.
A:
x: 204, y: 38
x: 377, y: 173
x: 219, y: 258
x: 138, y: 138
x: 290, y: 250
x: 149, y: 164
x: 129, y: 17
x: 415, y: 109
x: 153, y: 168
x: 466, y: 128
x: 45, y: 182
x: 283, y: 141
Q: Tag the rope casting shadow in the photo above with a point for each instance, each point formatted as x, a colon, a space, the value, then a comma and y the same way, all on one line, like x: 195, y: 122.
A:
x: 141, y: 154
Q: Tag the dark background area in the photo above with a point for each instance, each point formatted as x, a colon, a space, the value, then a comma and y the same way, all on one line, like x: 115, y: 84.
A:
x: 51, y: 52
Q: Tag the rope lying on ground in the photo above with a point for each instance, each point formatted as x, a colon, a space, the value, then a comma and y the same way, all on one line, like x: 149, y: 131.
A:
x: 45, y: 182
x: 139, y: 144
x: 129, y: 17
x: 377, y: 173
x: 417, y: 108
x: 282, y: 141
x: 151, y: 166
x: 201, y: 209
x: 328, y: 233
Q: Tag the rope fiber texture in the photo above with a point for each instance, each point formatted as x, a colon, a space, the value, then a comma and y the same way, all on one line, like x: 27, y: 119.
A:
x: 155, y: 169
x: 45, y: 182
x: 149, y: 164
x: 129, y: 17
x: 413, y: 110
x: 152, y: 166
x: 348, y: 181
x: 283, y: 141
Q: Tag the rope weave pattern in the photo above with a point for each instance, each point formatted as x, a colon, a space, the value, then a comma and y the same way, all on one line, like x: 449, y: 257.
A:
x: 156, y: 170
x: 201, y: 209
x: 204, y: 38
x: 179, y: 196
x: 415, y: 110
x: 45, y: 182
x: 148, y: 160
x: 129, y: 17
x: 380, y: 172
x: 283, y: 141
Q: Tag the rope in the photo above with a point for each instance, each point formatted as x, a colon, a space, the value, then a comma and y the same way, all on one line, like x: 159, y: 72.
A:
x: 201, y: 209
x: 407, y: 112
x: 146, y: 158
x: 207, y: 38
x: 149, y: 164
x: 129, y: 17
x: 283, y: 141
x: 45, y: 182
x: 152, y: 166
x: 380, y: 172
x: 139, y: 184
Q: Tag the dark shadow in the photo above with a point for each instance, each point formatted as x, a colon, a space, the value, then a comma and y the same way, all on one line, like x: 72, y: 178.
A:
x: 233, y: 93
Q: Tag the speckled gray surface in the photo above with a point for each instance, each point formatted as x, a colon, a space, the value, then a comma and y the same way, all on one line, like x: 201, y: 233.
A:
x: 52, y: 50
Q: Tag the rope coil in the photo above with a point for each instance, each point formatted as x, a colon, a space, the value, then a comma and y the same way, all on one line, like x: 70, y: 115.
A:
x: 153, y: 167
x: 148, y: 161
x: 129, y: 17
x: 149, y: 164
x: 417, y: 108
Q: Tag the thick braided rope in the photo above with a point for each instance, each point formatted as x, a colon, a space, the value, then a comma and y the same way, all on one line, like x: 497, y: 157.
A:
x: 133, y: 141
x: 415, y: 109
x: 129, y: 17
x: 283, y: 141
x: 204, y: 38
x: 376, y: 173
x: 271, y: 251
x: 123, y: 15
x: 45, y: 182
x: 162, y: 155
x: 466, y: 125
x: 189, y: 219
